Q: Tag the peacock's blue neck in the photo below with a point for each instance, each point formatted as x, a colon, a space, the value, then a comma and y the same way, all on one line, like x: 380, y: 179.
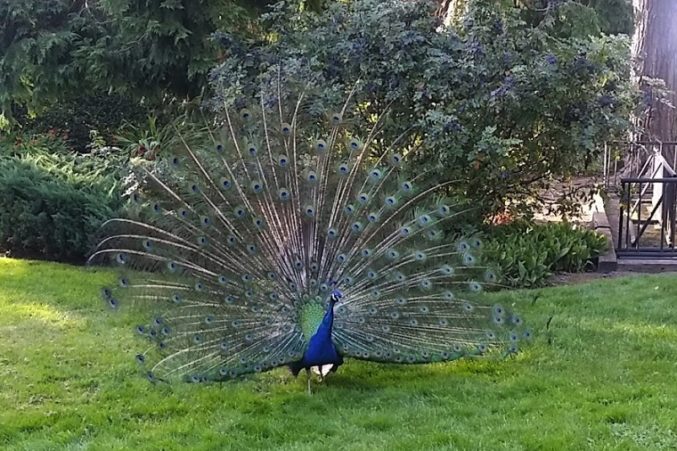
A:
x: 321, y: 350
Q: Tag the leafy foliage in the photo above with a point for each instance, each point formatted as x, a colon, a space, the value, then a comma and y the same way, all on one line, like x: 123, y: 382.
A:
x: 494, y: 103
x: 57, y: 50
x: 528, y: 254
x: 53, y: 204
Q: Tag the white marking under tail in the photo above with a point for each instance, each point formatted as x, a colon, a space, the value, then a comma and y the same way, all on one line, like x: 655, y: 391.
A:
x: 323, y: 370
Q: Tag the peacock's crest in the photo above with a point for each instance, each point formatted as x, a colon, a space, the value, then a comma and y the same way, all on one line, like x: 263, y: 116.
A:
x: 235, y: 246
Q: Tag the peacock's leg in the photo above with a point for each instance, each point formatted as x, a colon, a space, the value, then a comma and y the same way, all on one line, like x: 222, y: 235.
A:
x: 309, y: 374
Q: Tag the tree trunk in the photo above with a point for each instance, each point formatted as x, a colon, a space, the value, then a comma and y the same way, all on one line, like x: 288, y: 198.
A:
x: 655, y: 53
x: 654, y: 48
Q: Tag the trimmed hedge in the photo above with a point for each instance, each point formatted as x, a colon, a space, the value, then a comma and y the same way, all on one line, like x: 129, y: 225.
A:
x: 51, y: 206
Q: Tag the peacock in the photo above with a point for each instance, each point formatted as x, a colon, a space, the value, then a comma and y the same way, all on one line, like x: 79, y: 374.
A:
x: 289, y: 238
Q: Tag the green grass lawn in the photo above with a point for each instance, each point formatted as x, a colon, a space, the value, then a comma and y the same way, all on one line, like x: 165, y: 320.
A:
x: 604, y: 376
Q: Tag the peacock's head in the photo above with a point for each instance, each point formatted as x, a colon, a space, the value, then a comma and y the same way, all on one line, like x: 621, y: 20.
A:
x: 335, y: 296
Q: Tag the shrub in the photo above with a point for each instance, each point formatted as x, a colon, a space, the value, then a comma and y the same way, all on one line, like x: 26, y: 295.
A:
x: 53, y: 205
x: 497, y: 104
x: 527, y: 254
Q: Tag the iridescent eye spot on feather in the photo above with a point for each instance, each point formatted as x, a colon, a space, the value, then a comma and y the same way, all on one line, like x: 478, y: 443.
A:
x: 498, y: 320
x: 183, y: 213
x: 516, y: 320
x: 106, y: 293
x: 324, y: 287
x: 123, y: 282
x: 372, y: 275
x: 366, y: 252
x: 349, y: 209
x: 209, y: 319
x: 434, y: 234
x: 246, y: 278
x: 311, y: 177
x: 271, y: 275
x: 423, y: 220
x: 390, y: 201
x: 498, y: 310
x: 444, y: 323
x: 372, y: 217
x: 343, y: 169
x: 231, y: 240
x: 239, y: 212
x: 463, y: 246
x: 147, y: 245
x: 392, y: 254
x: 201, y: 240
x: 443, y: 210
x: 475, y: 287
x: 156, y: 207
x: 245, y: 114
x: 286, y: 129
x: 225, y: 183
x: 320, y: 146
x: 283, y: 161
x: 341, y: 258
x: 177, y: 299
x: 252, y: 150
x: 375, y: 175
x: 283, y: 194
x: 468, y: 307
x: 256, y: 186
x: 405, y: 231
x: 298, y: 264
x: 230, y: 299
x: 420, y: 256
x: 219, y: 147
x: 332, y: 233
x: 363, y: 198
x: 527, y: 335
x: 335, y: 119
x: 121, y: 258
x: 175, y: 161
x: 399, y: 277
x: 468, y: 259
x: 172, y: 266
x: 447, y: 270
x: 448, y: 295
x: 205, y: 221
x: 113, y: 303
x: 140, y: 329
x: 490, y: 276
x: 309, y: 211
x: 476, y: 243
x: 251, y: 248
x: 348, y: 281
x: 407, y: 187
x: 357, y: 227
x: 394, y: 315
x: 395, y: 159
x: 354, y: 145
x: 197, y: 339
x: 222, y: 280
x: 274, y: 296
x: 426, y: 284
x: 194, y: 188
x: 140, y: 359
x: 482, y: 348
x: 513, y: 336
x: 259, y: 223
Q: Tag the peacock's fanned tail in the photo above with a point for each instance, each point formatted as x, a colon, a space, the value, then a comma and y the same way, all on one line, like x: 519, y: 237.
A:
x: 234, y: 245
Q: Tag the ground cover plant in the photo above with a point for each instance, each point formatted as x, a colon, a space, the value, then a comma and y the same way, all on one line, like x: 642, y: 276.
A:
x: 600, y: 375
